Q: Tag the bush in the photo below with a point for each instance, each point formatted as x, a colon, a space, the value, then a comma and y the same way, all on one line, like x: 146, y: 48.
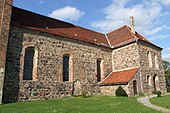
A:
x: 158, y: 93
x: 168, y: 89
x: 141, y: 94
x: 84, y: 94
x: 121, y: 92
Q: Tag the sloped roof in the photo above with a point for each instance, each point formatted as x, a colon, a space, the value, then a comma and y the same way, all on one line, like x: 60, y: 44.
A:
x: 49, y: 25
x: 120, y: 77
x: 38, y: 22
x: 115, y: 36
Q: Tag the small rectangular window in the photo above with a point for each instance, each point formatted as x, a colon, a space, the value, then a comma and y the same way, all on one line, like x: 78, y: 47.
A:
x: 66, y: 68
x: 98, y: 70
x: 28, y: 63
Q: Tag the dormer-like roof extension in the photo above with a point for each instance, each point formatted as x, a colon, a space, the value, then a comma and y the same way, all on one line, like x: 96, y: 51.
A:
x: 124, y: 35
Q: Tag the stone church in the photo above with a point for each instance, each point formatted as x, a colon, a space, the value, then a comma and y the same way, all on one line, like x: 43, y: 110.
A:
x: 42, y: 58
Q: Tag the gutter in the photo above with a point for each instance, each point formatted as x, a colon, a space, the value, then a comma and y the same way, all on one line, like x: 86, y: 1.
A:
x: 124, y: 43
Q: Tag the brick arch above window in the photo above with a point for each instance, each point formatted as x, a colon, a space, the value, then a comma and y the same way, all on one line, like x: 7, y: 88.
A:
x: 156, y: 61
x: 149, y: 58
x: 100, y: 69
x: 29, y: 62
x: 67, y: 68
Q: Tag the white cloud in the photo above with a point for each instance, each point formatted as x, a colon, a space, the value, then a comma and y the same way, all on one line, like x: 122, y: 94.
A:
x: 166, y: 2
x: 157, y: 29
x: 67, y: 13
x: 166, y: 57
x: 159, y: 37
x: 41, y: 2
x: 146, y: 15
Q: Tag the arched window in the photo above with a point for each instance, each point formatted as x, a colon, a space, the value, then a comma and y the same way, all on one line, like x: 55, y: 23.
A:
x: 156, y: 83
x: 135, y: 87
x: 67, y: 68
x: 29, y: 63
x: 100, y: 70
x: 149, y: 59
x: 148, y: 80
x: 156, y: 61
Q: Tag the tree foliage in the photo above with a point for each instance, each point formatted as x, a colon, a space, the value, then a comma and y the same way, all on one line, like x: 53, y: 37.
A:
x: 166, y: 66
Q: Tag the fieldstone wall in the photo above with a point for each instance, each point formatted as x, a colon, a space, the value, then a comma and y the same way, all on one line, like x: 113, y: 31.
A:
x: 110, y: 90
x: 125, y: 57
x: 49, y: 82
x: 146, y: 70
x: 5, y: 16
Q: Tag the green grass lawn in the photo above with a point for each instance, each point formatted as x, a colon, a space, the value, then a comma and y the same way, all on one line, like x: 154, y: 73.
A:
x: 161, y: 101
x: 95, y: 104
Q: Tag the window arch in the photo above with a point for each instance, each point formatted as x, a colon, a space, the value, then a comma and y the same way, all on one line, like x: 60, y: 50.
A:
x: 135, y: 87
x: 30, y: 64
x: 156, y: 61
x: 148, y: 80
x: 156, y: 83
x: 100, y: 70
x: 67, y: 68
x: 149, y: 57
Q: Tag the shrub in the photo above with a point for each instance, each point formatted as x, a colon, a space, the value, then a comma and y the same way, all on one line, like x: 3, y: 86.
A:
x: 84, y: 94
x: 121, y: 92
x: 168, y: 89
x: 141, y: 94
x: 158, y: 93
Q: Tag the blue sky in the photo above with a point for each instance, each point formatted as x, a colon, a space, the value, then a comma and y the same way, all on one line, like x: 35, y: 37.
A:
x: 152, y: 17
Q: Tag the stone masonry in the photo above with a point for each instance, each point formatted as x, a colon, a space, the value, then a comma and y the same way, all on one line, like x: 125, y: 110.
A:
x: 126, y: 50
x: 51, y: 49
x: 151, y: 71
x: 5, y: 15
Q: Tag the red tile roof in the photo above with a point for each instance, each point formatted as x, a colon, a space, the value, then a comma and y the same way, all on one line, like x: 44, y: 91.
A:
x: 124, y: 34
x: 120, y: 77
x: 42, y: 23
x: 38, y: 22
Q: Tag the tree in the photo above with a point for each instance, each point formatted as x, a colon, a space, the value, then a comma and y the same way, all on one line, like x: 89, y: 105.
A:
x: 166, y: 66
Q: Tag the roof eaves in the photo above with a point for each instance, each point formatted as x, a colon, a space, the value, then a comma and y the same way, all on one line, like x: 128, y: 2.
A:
x: 150, y: 44
x: 116, y: 83
x: 141, y: 39
x: 124, y: 43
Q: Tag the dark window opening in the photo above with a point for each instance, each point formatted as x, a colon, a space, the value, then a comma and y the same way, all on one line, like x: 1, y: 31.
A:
x: 135, y: 87
x: 66, y: 67
x: 154, y: 83
x: 28, y: 63
x: 98, y: 71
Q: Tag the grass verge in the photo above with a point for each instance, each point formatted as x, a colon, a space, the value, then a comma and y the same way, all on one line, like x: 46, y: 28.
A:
x: 163, y: 101
x: 95, y: 104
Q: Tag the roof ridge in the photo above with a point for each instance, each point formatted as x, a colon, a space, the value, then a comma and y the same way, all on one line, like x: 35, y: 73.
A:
x: 55, y: 19
x: 116, y: 29
x: 129, y: 29
x: 88, y: 29
x: 108, y: 40
x: 41, y: 15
